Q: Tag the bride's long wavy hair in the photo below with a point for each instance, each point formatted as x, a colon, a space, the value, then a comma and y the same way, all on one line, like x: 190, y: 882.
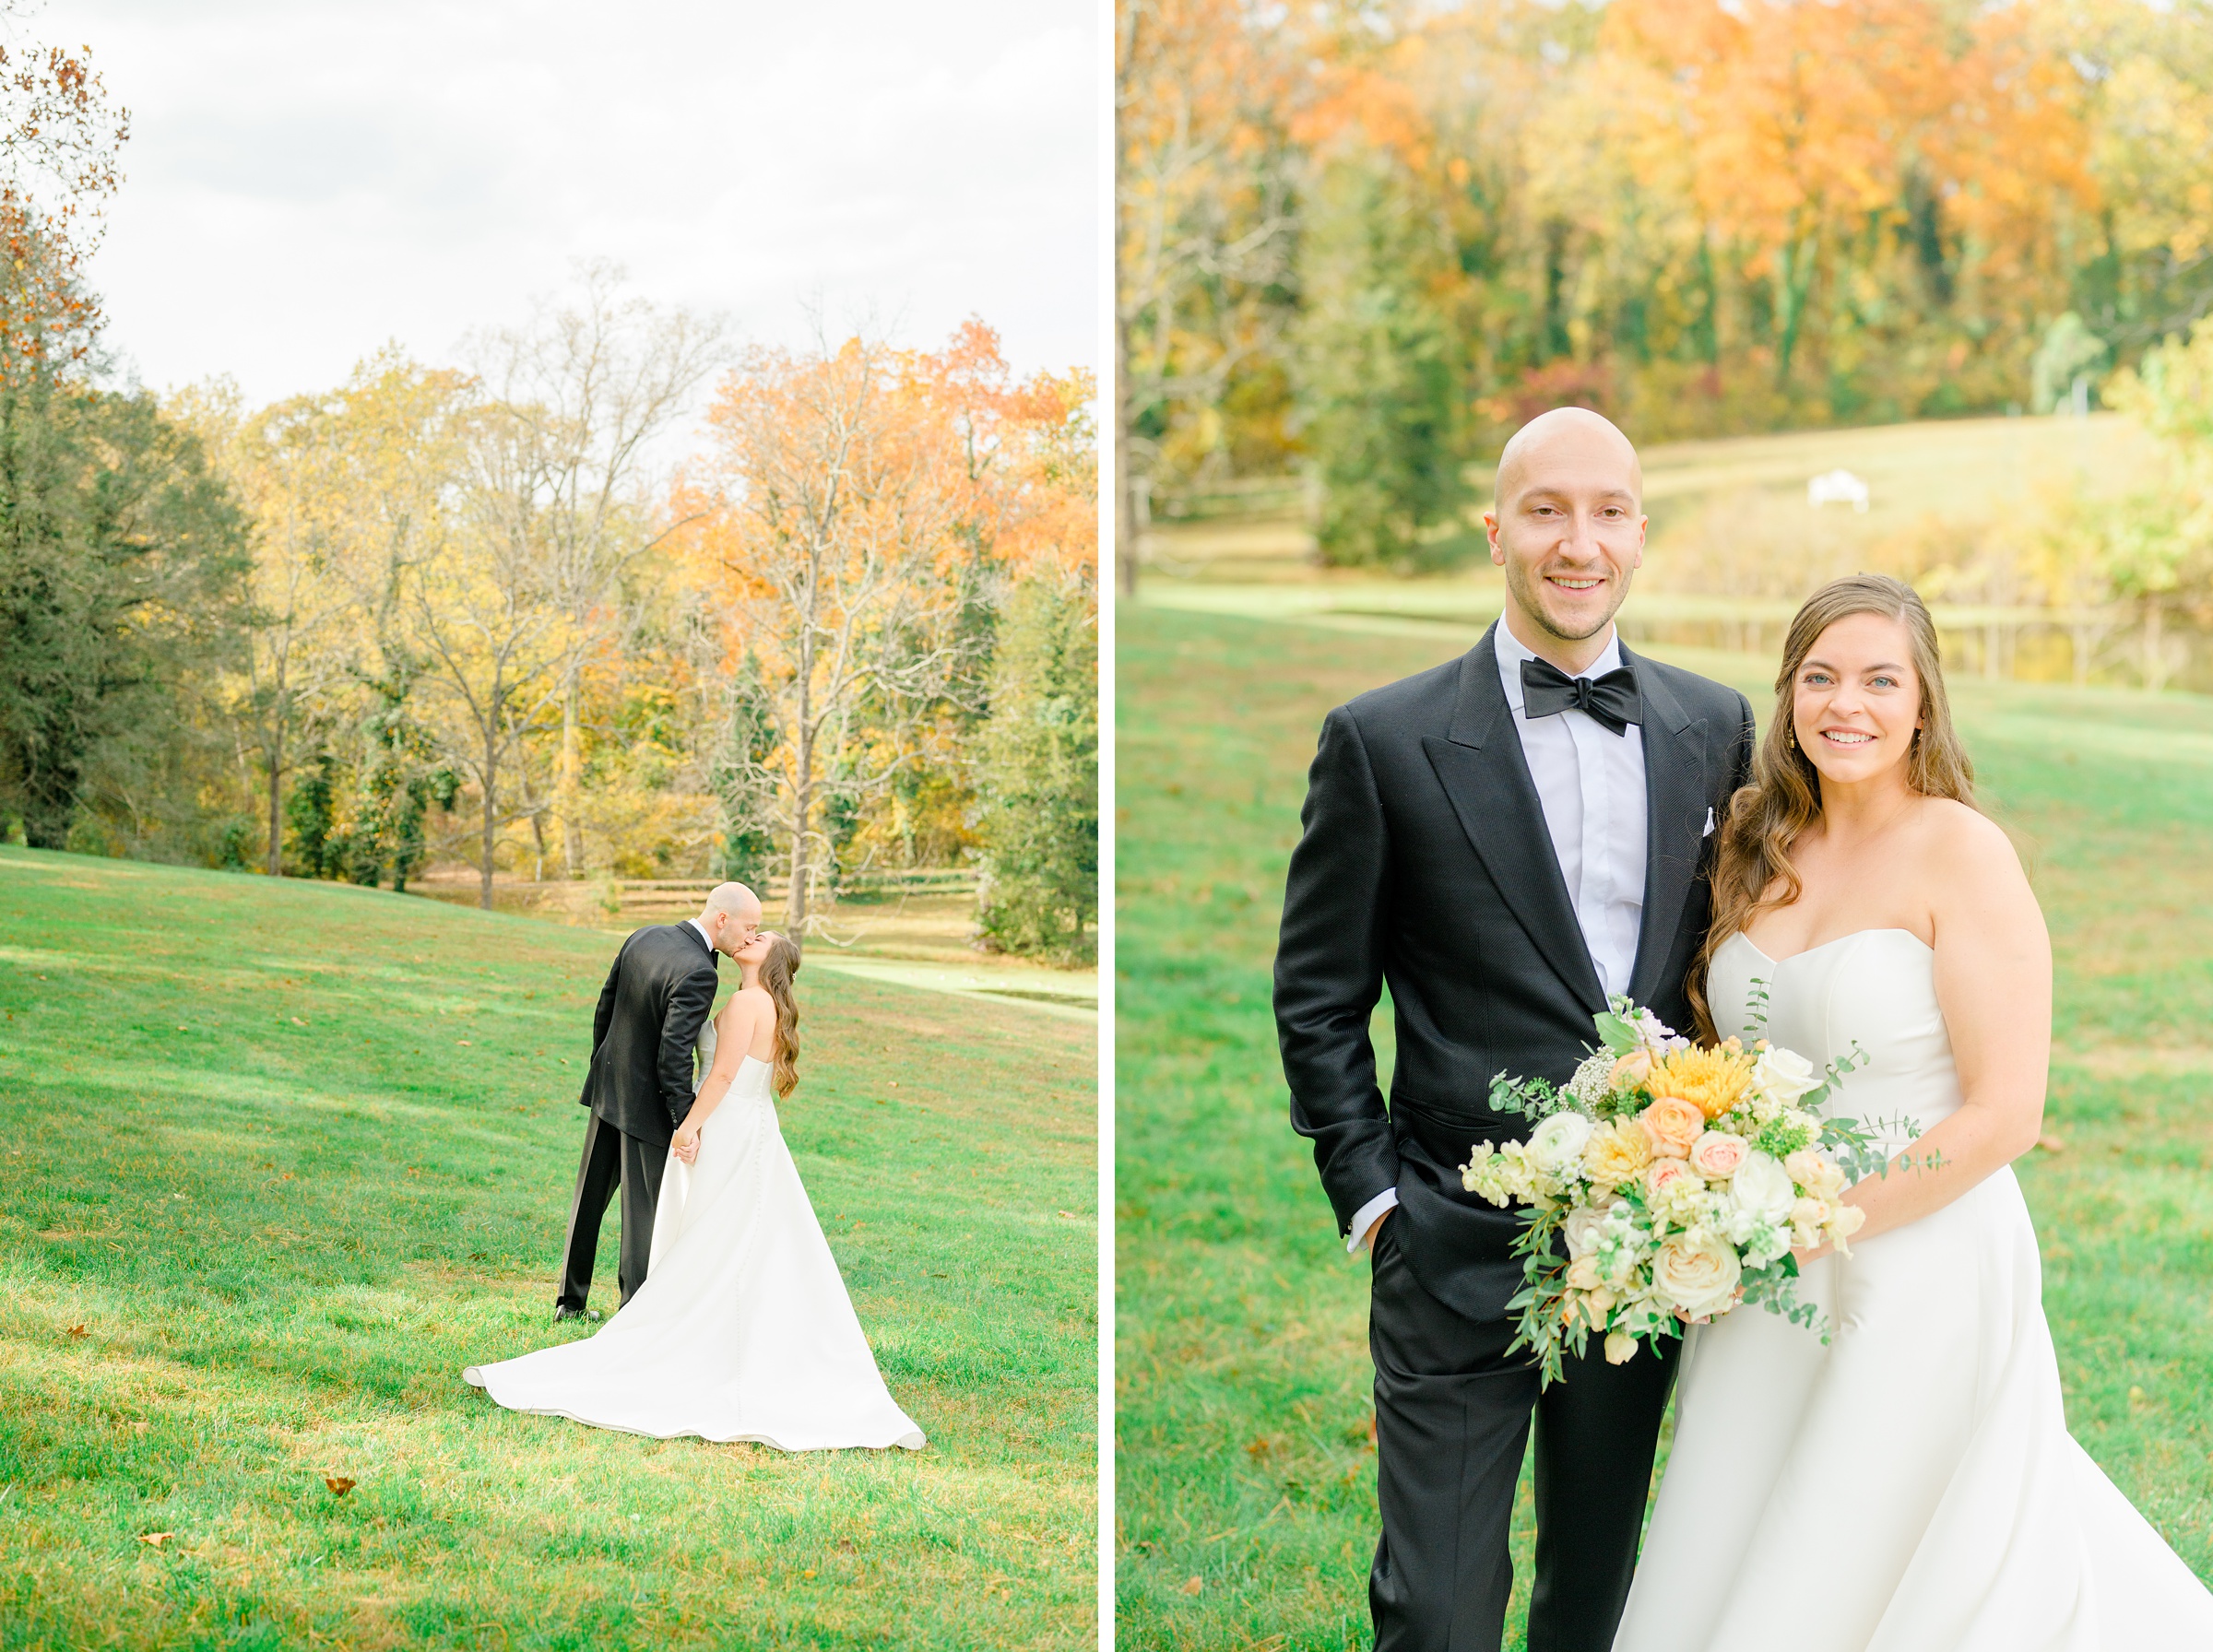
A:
x: 1753, y: 872
x: 775, y: 976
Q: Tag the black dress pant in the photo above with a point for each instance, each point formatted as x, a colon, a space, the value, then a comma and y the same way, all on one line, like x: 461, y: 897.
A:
x: 1452, y: 1417
x: 611, y: 1158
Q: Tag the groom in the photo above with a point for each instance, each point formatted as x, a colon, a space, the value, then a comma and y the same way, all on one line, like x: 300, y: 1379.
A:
x: 1504, y: 841
x: 639, y: 1083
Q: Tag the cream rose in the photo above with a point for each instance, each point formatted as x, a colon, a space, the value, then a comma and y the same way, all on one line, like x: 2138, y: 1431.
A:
x: 1556, y: 1145
x: 1784, y: 1076
x: 1672, y: 1124
x: 1620, y: 1345
x: 1582, y: 1274
x: 1718, y: 1155
x: 1762, y: 1188
x: 1617, y: 1151
x: 1696, y: 1273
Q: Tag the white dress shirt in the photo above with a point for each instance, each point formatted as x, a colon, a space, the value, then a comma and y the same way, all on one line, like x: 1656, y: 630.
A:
x: 1590, y: 784
x: 702, y: 931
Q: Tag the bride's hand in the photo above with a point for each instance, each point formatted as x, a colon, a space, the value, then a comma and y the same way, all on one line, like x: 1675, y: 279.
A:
x: 685, y: 1144
x: 1804, y: 1254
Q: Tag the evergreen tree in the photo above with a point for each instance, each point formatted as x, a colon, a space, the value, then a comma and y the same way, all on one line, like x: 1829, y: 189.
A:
x: 1379, y: 388
x: 1037, y: 780
x: 121, y: 570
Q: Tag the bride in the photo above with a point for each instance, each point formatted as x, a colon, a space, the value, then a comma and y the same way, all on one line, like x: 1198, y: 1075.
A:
x: 1911, y: 1486
x: 742, y: 1330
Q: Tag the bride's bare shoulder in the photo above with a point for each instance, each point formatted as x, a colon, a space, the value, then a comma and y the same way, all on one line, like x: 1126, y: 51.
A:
x: 1971, y: 863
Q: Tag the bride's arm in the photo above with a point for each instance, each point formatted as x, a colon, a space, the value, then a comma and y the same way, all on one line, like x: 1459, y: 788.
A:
x: 1994, y: 983
x: 733, y: 1037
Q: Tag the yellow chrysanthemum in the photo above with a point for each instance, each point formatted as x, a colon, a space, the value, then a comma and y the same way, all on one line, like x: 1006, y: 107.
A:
x: 1711, y: 1080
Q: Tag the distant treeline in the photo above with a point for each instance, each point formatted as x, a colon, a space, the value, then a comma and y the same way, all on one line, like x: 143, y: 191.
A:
x: 440, y: 614
x: 1370, y: 240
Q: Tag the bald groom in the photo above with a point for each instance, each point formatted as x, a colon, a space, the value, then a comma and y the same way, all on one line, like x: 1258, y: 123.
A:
x: 639, y: 1085
x: 1505, y: 841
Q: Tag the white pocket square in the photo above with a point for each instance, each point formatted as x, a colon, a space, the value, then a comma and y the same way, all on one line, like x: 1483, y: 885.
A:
x: 1709, y: 831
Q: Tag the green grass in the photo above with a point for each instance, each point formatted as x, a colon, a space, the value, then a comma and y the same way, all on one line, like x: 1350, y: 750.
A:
x: 291, y: 1155
x: 1243, y: 1458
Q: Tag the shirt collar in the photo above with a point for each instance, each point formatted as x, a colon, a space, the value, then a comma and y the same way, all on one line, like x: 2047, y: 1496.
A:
x: 1511, y: 654
x: 700, y: 929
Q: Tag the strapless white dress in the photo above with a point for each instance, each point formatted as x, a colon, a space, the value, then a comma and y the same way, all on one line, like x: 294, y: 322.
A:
x: 742, y: 1330
x: 1911, y: 1486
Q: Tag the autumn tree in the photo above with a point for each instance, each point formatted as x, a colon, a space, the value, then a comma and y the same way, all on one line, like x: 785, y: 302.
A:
x: 61, y: 140
x: 1205, y: 219
x: 582, y: 395
x: 830, y: 553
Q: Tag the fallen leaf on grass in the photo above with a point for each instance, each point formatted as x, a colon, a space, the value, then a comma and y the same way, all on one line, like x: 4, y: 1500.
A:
x: 156, y: 1537
x: 1193, y: 1586
x: 339, y: 1484
x: 2051, y: 1143
x: 78, y: 1333
x: 298, y: 1022
x: 464, y: 1043
x: 1263, y: 1445
x: 847, y: 1546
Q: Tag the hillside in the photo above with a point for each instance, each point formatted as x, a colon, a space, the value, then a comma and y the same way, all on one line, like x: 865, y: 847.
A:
x: 281, y: 1158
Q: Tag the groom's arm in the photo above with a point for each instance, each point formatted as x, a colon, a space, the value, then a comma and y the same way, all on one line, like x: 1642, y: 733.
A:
x: 1329, y: 975
x: 689, y: 1001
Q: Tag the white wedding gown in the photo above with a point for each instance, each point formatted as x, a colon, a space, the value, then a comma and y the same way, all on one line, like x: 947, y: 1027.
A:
x: 742, y: 1330
x: 1911, y: 1486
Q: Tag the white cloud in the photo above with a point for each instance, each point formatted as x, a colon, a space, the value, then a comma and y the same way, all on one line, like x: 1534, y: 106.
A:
x: 306, y: 180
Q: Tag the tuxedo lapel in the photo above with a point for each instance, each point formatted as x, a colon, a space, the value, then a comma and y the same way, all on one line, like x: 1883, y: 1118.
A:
x: 1676, y: 802
x: 1482, y: 771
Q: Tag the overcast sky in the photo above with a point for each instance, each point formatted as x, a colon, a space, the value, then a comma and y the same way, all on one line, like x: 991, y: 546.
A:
x: 307, y: 179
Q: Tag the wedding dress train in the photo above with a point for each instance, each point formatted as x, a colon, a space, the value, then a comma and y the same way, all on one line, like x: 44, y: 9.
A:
x: 742, y: 1330
x: 1911, y: 1486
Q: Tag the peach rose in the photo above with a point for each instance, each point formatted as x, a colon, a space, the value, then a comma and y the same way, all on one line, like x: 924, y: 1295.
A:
x: 1717, y: 1155
x: 1661, y: 1174
x: 1817, y: 1173
x: 1632, y: 1069
x: 1616, y: 1151
x: 1672, y: 1124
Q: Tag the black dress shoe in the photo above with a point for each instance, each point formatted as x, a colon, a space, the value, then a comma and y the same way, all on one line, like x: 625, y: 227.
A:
x: 563, y: 1311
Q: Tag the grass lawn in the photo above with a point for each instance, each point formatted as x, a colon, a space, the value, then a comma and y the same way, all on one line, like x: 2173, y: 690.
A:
x: 1244, y: 1459
x: 277, y: 1159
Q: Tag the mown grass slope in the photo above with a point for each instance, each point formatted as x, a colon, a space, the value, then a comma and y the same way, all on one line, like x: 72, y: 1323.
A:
x: 1244, y: 1459
x: 292, y: 1154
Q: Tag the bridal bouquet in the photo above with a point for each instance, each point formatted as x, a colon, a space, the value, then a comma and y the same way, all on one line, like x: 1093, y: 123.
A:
x: 1666, y: 1179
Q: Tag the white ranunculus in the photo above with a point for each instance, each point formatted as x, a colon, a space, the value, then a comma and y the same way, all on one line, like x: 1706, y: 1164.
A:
x: 1556, y: 1145
x: 1762, y: 1190
x: 1785, y: 1074
x: 1698, y: 1273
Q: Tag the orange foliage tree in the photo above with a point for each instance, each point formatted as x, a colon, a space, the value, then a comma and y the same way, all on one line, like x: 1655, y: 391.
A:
x: 856, y: 511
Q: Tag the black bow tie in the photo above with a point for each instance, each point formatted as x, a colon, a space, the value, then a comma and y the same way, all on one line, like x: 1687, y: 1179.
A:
x: 1611, y: 702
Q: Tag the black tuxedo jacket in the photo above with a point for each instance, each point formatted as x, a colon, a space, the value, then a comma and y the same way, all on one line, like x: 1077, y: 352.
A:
x: 654, y: 1001
x: 1425, y: 863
